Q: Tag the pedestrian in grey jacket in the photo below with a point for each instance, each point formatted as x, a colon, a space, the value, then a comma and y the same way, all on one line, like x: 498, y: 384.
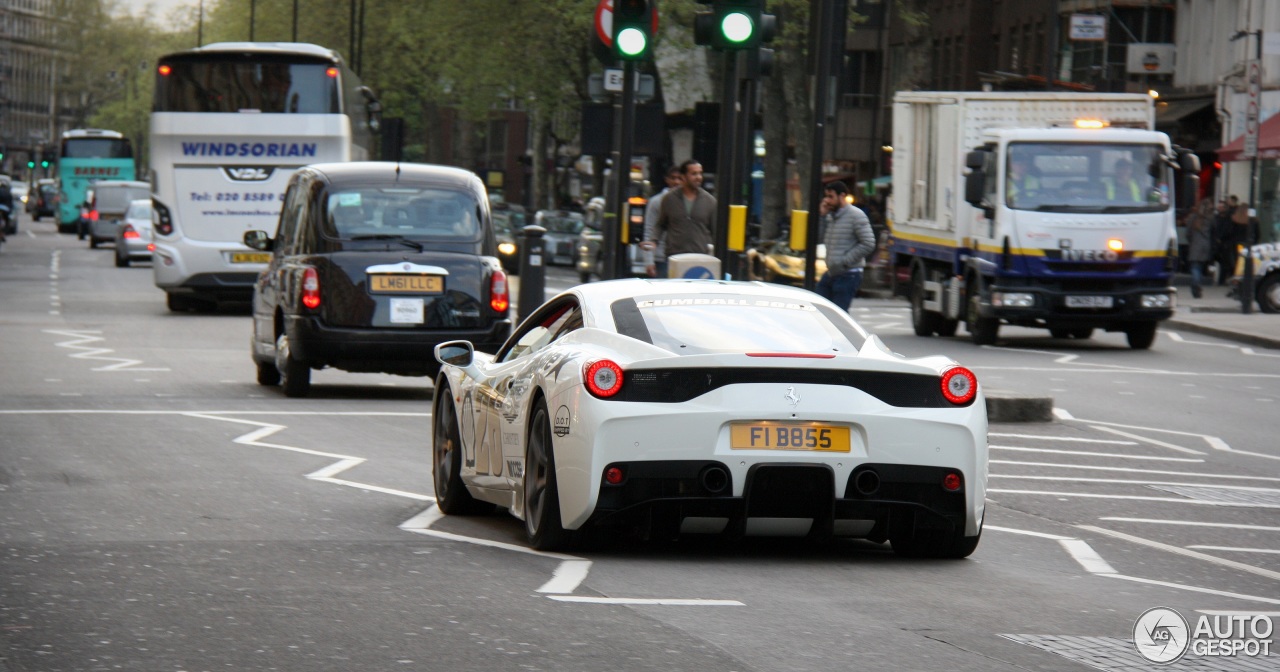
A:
x: 846, y: 232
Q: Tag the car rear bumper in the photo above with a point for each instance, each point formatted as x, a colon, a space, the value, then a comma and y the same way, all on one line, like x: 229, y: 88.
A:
x: 382, y: 350
x: 204, y: 270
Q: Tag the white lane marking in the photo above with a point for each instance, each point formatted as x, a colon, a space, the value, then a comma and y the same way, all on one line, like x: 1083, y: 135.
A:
x: 1144, y: 439
x: 1124, y: 369
x: 1267, y: 573
x: 669, y: 602
x: 81, y: 337
x: 1029, y: 533
x: 568, y: 576
x: 1062, y: 414
x: 1235, y: 549
x: 1087, y: 467
x: 1214, y: 442
x: 1230, y: 346
x: 1193, y: 523
x: 1084, y: 554
x: 1171, y: 500
x: 1120, y: 481
x: 1089, y: 454
x: 1194, y: 589
x: 1038, y: 437
x: 1225, y: 612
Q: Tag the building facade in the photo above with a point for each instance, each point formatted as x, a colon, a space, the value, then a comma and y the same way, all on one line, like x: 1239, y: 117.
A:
x: 34, y: 108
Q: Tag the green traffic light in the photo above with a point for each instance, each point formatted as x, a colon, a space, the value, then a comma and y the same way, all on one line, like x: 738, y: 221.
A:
x: 44, y: 164
x: 31, y: 164
x: 737, y: 27
x: 632, y: 41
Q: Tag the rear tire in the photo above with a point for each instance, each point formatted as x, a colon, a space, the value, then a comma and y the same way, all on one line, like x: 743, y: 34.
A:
x: 1141, y: 335
x: 452, y: 497
x: 542, y: 521
x: 122, y: 260
x: 295, y: 377
x: 177, y: 304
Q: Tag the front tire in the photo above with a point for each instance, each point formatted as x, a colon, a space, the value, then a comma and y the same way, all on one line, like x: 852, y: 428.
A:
x: 542, y: 521
x: 1268, y: 294
x: 452, y: 497
x: 295, y: 377
x: 923, y: 322
x: 1141, y: 335
x: 983, y: 330
x: 268, y: 374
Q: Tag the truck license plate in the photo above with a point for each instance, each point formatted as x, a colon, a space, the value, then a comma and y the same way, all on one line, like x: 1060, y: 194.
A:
x: 1089, y: 302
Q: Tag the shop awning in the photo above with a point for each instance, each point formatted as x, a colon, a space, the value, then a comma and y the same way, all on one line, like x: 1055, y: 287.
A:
x: 1173, y: 111
x: 1268, y: 142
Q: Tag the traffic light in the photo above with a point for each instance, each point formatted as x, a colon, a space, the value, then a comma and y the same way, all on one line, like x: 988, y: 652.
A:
x: 733, y: 25
x: 31, y: 164
x: 44, y: 163
x: 632, y: 29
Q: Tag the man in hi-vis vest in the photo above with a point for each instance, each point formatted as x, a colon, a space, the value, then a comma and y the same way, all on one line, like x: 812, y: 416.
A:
x: 1123, y: 186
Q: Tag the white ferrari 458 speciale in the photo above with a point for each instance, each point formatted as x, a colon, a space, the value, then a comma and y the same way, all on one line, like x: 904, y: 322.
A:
x: 709, y: 407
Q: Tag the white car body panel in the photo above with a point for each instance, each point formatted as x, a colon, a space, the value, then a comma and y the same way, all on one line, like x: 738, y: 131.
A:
x: 591, y: 433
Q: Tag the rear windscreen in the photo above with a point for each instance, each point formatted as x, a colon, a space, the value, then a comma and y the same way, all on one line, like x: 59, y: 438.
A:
x: 691, y: 325
x: 108, y: 199
x: 227, y: 83
x: 368, y: 213
x: 96, y: 148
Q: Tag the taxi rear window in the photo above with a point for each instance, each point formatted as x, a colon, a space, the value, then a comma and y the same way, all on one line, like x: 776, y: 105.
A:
x: 690, y: 325
x: 360, y: 213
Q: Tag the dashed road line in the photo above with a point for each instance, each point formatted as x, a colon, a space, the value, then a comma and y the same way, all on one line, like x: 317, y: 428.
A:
x: 1193, y: 523
x: 1090, y: 454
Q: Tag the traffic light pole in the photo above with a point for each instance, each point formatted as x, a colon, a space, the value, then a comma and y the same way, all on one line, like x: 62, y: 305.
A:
x: 724, y: 161
x: 613, y: 247
x: 825, y: 23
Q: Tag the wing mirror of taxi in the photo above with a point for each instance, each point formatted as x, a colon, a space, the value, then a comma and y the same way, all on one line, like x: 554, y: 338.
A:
x: 259, y: 240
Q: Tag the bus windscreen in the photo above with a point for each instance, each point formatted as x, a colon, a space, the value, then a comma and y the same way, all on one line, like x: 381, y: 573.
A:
x: 237, y: 85
x: 96, y: 148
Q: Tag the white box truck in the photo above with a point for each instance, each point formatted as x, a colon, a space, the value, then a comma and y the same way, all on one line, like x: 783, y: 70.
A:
x: 1037, y: 209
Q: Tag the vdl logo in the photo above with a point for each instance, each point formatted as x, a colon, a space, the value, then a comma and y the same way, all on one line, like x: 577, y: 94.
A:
x: 248, y: 173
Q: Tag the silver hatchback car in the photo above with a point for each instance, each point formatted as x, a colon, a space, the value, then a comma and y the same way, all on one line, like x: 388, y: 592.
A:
x: 133, y: 235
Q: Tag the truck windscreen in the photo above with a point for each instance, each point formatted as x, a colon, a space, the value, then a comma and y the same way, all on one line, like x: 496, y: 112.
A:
x: 1086, y: 177
x: 238, y: 85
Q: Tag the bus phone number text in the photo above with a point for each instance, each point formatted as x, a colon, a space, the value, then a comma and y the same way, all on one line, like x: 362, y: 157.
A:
x: 238, y: 196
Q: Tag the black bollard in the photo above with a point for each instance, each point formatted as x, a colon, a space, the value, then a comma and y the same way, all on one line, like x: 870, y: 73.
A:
x: 533, y: 271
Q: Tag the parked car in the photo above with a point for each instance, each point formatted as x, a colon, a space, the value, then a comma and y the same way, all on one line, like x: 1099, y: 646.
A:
x: 43, y: 200
x: 133, y: 236
x: 775, y: 261
x: 107, y: 206
x: 561, y: 238
x: 588, y: 261
x: 373, y: 264
x: 676, y: 407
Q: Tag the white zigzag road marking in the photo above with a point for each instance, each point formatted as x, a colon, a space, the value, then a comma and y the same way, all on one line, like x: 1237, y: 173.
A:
x: 1173, y: 335
x: 80, y: 338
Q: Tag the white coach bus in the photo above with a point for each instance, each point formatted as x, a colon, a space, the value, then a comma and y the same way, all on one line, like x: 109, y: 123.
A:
x: 230, y: 123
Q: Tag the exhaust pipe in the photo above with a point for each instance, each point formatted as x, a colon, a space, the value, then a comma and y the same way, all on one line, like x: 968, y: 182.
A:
x: 714, y: 479
x: 866, y: 482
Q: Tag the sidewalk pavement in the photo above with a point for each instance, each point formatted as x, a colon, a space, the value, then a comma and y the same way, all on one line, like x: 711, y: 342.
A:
x: 1216, y: 315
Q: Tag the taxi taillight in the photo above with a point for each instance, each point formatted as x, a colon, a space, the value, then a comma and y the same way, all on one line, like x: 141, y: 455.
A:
x: 499, y: 295
x: 311, y: 288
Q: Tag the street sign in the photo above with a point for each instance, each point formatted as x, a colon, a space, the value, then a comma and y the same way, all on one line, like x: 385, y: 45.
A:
x: 1251, y: 110
x: 599, y: 86
x: 1088, y: 27
x: 604, y: 22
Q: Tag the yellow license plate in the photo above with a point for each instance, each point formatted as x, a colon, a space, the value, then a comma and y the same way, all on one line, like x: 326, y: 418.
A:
x: 407, y: 284
x: 768, y: 435
x: 250, y: 257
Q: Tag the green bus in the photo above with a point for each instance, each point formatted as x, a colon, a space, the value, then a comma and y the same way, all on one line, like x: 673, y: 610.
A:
x: 85, y: 156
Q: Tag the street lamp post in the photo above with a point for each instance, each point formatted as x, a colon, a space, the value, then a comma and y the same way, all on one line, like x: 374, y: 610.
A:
x: 1246, y: 282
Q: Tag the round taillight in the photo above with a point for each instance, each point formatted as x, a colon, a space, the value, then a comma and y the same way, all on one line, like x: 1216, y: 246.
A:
x: 165, y: 70
x: 952, y: 482
x: 604, y: 378
x: 959, y: 385
x: 613, y: 475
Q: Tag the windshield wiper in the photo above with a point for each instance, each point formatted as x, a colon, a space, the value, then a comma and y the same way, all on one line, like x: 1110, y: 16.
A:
x: 390, y: 236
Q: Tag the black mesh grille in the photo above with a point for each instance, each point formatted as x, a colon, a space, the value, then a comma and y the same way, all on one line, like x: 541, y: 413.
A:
x: 904, y: 390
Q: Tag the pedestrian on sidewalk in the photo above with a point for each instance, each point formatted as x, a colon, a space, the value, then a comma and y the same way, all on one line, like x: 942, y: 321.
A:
x: 1224, y: 247
x: 846, y: 232
x: 686, y: 218
x: 1199, y: 243
x: 654, y: 243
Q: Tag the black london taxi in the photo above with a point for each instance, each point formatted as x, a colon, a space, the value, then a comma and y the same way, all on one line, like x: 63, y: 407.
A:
x: 372, y: 265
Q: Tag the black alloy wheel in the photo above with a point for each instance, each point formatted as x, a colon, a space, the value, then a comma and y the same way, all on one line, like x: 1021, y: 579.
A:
x: 542, y: 521
x: 295, y: 376
x: 452, y: 497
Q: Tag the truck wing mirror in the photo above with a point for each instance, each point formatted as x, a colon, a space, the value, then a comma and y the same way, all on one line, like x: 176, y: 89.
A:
x: 975, y: 159
x: 975, y: 186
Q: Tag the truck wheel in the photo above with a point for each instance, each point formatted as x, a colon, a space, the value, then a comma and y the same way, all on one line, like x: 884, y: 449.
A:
x: 947, y: 328
x: 1269, y: 294
x: 983, y: 330
x: 1141, y: 335
x: 923, y: 322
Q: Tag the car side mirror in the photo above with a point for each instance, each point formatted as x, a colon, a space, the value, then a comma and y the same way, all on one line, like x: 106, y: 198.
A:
x: 455, y: 353
x: 259, y: 240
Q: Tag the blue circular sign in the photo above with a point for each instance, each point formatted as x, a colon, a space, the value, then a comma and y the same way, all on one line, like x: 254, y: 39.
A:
x: 699, y: 273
